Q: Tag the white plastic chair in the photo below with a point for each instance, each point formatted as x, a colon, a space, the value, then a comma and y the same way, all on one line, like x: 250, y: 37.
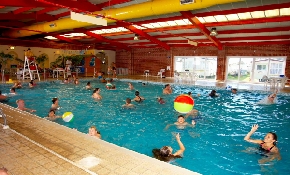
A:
x: 161, y: 73
x: 146, y: 72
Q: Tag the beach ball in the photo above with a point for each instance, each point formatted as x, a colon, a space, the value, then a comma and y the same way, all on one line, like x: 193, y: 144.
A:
x: 67, y: 116
x: 183, y: 103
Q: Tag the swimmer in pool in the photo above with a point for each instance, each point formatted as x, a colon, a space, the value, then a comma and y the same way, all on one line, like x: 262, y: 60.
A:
x: 213, y: 94
x: 193, y: 113
x: 234, y: 91
x: 131, y: 87
x: 54, y: 105
x: 51, y: 115
x: 272, y: 98
x: 128, y: 104
x: 3, y: 97
x: 160, y: 100
x: 96, y: 94
x: 166, y: 152
x: 267, y: 146
x: 21, y: 105
x: 13, y: 91
x: 88, y: 86
x: 167, y: 89
x: 181, y: 123
x: 138, y: 98
x: 94, y: 132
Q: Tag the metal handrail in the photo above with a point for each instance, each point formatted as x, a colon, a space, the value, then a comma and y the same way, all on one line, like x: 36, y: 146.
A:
x: 5, y: 120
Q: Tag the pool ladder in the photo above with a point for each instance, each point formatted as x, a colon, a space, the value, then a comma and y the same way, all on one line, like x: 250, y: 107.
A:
x: 4, y: 117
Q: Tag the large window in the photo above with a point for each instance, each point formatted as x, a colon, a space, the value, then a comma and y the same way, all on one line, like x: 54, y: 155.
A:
x: 202, y: 67
x: 252, y: 69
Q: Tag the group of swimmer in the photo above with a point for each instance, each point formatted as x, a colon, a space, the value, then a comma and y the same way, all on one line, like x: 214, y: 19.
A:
x: 166, y: 153
x: 267, y: 146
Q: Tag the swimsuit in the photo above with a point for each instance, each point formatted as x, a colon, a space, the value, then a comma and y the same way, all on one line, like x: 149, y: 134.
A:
x: 265, y: 150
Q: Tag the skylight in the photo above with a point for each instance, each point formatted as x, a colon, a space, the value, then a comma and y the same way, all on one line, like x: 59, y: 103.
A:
x: 258, y: 14
x: 50, y: 37
x: 221, y: 18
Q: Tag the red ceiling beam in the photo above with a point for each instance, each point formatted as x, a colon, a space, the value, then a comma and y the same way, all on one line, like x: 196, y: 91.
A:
x: 21, y: 10
x: 256, y: 38
x: 24, y: 3
x: 45, y: 10
x: 243, y: 10
x: 12, y: 24
x: 143, y: 34
x: 202, y: 28
x: 83, y: 5
x: 5, y: 16
x: 101, y: 38
x: 66, y: 39
x: 257, y: 43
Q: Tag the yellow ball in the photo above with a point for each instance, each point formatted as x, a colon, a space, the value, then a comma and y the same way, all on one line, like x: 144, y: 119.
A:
x: 67, y: 116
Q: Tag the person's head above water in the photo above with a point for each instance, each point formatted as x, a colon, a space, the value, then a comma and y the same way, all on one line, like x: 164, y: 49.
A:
x: 137, y: 93
x: 180, y: 119
x: 234, y: 90
x: 54, y: 100
x: 271, y: 137
x: 128, y: 100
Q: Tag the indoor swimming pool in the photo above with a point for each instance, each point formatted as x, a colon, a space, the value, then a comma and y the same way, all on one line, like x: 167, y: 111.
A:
x: 214, y: 146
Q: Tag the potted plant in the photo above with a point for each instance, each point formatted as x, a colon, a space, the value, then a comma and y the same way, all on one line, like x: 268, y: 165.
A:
x: 41, y: 59
x: 3, y: 62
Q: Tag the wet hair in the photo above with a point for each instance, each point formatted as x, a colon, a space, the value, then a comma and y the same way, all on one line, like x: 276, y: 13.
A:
x: 96, y: 90
x: 212, y: 93
x: 234, y: 89
x: 274, y: 135
x: 51, y: 111
x: 166, y: 85
x: 163, y: 154
x: 180, y: 116
x: 128, y: 100
x: 189, y: 93
x: 13, y: 89
x: 137, y: 93
x: 93, y: 127
x: 54, y: 100
x: 88, y: 83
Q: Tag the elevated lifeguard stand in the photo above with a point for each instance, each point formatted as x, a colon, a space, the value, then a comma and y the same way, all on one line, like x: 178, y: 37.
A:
x: 30, y: 68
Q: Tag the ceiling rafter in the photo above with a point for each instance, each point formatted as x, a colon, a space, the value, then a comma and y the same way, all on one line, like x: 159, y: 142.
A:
x: 101, y: 38
x: 83, y: 5
x: 202, y: 28
x: 31, y: 16
x: 45, y: 10
x: 143, y: 34
x: 243, y: 10
x: 21, y: 10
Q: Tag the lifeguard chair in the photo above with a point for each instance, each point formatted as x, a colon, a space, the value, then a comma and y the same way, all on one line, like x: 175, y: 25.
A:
x: 30, y: 68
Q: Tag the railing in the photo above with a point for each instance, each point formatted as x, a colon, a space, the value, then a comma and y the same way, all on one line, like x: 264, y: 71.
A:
x: 122, y: 71
x: 4, y: 117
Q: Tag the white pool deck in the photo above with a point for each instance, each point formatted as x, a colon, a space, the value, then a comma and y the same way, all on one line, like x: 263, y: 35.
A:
x: 35, y: 146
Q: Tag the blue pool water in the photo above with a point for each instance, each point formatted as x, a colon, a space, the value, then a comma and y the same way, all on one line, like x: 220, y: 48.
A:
x: 214, y: 146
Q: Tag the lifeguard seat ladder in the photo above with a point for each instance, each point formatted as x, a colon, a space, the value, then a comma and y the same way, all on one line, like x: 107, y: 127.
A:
x: 30, y: 66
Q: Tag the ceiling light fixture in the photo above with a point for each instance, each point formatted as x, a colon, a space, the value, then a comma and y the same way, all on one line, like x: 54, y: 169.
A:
x: 213, y: 32
x: 136, y: 37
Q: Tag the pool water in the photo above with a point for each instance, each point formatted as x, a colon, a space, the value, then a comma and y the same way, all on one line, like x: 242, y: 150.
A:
x: 214, y: 146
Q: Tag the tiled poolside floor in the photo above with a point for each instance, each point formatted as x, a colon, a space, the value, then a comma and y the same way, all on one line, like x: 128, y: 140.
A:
x: 37, y: 146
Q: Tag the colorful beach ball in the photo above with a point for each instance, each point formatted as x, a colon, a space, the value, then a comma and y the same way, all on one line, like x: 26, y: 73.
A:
x: 183, y: 103
x: 67, y: 116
